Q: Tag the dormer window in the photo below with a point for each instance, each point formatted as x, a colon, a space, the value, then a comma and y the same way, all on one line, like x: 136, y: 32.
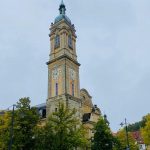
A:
x: 70, y: 41
x: 57, y: 41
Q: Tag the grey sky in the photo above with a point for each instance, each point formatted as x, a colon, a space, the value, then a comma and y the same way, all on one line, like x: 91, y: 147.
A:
x: 113, y: 48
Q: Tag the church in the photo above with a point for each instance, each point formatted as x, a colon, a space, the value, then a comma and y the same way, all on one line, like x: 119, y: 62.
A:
x: 63, y: 75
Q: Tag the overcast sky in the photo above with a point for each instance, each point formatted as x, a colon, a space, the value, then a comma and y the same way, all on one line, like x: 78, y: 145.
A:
x: 113, y: 47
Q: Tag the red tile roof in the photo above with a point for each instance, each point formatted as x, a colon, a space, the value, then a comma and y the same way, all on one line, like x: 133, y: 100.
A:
x: 138, y: 137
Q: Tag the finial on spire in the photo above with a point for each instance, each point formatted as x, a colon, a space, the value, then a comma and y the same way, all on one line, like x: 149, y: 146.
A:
x: 62, y: 8
x: 62, y: 2
x: 106, y: 120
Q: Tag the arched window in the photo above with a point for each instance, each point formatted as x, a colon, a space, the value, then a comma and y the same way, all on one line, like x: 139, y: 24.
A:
x: 57, y: 41
x: 56, y: 89
x: 70, y: 41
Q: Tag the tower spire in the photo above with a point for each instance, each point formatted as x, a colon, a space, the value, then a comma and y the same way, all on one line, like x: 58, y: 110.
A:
x: 62, y: 8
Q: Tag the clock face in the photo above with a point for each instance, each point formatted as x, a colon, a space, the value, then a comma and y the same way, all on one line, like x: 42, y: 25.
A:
x: 55, y: 73
x: 72, y: 74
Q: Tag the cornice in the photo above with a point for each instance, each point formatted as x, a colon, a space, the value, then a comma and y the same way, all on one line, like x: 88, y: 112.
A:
x: 60, y: 22
x: 54, y: 27
x: 59, y: 97
x: 61, y: 57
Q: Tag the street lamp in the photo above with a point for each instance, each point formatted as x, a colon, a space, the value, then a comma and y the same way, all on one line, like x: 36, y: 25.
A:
x: 11, y: 128
x: 127, y: 136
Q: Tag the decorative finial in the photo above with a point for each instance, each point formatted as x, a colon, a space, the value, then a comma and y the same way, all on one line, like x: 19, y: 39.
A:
x: 106, y: 120
x: 62, y: 8
x: 62, y: 2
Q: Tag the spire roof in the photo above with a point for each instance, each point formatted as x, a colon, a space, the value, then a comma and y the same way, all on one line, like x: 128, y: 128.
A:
x: 62, y: 11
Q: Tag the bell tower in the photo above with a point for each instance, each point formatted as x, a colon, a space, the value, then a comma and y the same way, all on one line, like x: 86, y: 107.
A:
x: 63, y: 67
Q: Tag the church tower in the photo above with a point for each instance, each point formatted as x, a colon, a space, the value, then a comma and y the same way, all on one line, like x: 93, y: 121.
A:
x: 63, y: 67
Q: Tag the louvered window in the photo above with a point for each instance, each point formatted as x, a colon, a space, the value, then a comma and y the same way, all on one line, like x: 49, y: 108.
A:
x: 57, y: 41
x: 70, y: 41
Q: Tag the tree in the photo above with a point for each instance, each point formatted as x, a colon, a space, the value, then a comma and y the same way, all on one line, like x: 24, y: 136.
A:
x: 45, y: 138
x: 25, y: 120
x: 62, y: 131
x: 146, y: 130
x: 121, y: 135
x: 137, y: 125
x: 4, y: 130
x: 116, y: 143
x: 68, y: 130
x: 103, y: 138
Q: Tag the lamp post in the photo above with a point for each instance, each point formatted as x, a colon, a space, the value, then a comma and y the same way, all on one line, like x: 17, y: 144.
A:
x: 127, y: 136
x: 11, y: 128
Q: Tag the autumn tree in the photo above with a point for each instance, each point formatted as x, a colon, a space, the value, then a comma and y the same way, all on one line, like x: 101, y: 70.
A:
x: 146, y: 130
x: 4, y: 130
x: 121, y: 135
x: 25, y: 120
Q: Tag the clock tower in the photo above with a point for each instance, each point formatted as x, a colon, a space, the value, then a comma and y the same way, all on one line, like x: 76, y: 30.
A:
x: 63, y: 67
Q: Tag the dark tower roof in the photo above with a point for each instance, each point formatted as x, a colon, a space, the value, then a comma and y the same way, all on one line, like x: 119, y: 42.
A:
x: 62, y: 15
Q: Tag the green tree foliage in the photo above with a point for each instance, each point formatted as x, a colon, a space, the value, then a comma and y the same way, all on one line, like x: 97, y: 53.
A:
x: 4, y: 130
x: 45, y: 138
x: 25, y: 120
x: 103, y: 138
x: 121, y: 135
x: 61, y: 132
x: 137, y: 125
x: 116, y: 144
x: 146, y: 130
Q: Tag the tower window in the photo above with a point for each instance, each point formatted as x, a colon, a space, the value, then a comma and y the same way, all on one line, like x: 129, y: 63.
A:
x: 57, y: 41
x: 72, y: 88
x: 55, y: 109
x: 44, y: 113
x: 70, y: 41
x: 56, y: 88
